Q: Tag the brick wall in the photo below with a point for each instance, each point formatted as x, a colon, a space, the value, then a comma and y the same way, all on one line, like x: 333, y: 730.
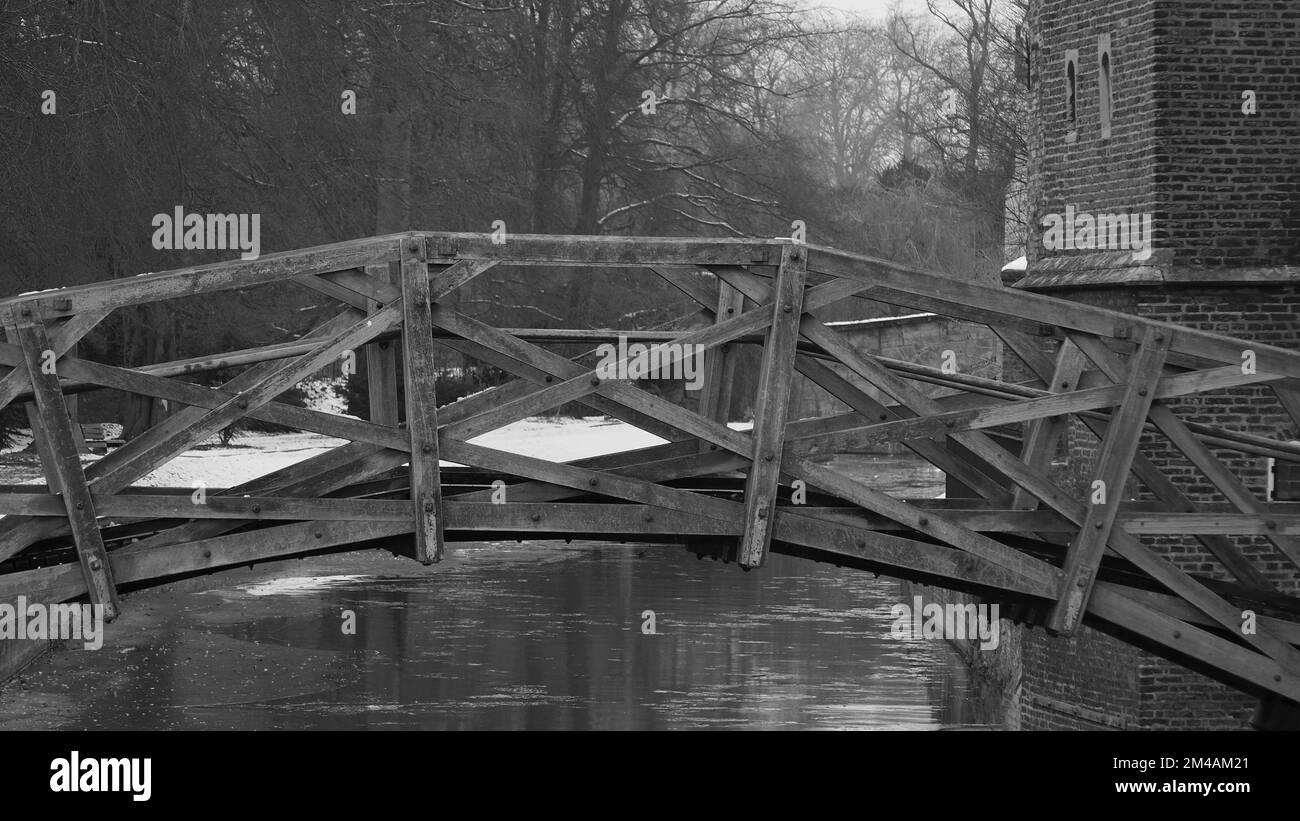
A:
x: 1064, y: 679
x: 1090, y: 172
x: 1223, y: 187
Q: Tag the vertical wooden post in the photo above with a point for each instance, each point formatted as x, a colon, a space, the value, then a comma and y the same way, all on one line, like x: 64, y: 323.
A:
x: 775, y: 380
x: 720, y: 371
x: 1042, y: 435
x: 60, y: 450
x: 78, y: 435
x: 1113, y: 465
x: 381, y: 364
x: 421, y: 400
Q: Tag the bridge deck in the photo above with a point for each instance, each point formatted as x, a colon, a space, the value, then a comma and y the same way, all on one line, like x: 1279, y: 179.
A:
x: 1024, y: 540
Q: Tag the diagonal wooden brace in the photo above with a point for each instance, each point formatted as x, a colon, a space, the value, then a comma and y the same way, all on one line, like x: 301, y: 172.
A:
x: 1042, y: 435
x: 775, y: 381
x: 60, y: 451
x: 1113, y: 466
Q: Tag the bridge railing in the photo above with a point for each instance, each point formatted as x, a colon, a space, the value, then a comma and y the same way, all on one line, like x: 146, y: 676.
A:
x: 738, y: 494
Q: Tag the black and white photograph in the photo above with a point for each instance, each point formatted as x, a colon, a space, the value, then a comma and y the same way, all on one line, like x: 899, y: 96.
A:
x: 651, y: 365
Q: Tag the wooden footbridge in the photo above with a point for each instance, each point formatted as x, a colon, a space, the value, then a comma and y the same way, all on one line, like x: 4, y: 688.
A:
x: 1059, y: 558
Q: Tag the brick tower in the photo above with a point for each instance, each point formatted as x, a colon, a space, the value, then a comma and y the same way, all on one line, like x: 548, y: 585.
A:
x: 1186, y: 113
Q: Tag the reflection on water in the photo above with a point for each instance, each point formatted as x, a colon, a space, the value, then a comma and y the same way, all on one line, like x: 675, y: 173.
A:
x: 533, y: 636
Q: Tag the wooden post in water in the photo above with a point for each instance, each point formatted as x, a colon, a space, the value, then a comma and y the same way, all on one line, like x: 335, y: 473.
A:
x: 772, y: 405
x: 421, y: 400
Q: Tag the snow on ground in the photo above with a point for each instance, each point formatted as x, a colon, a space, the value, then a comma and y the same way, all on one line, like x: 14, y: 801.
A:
x: 563, y: 440
x: 255, y: 454
x: 252, y: 455
x: 249, y: 456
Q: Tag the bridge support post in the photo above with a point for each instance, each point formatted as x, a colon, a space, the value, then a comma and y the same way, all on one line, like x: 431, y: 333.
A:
x: 381, y: 364
x: 721, y: 370
x: 58, y: 446
x: 772, y: 405
x: 1042, y: 435
x: 421, y: 400
x: 1113, y: 466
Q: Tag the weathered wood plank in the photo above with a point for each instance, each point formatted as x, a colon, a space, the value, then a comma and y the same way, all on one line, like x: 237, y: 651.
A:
x: 252, y: 397
x: 1008, y: 306
x: 213, y: 277
x: 381, y: 364
x: 63, y: 339
x: 421, y: 371
x: 17, y: 532
x: 851, y: 390
x: 590, y: 481
x: 720, y: 371
x: 1043, y: 435
x: 1114, y: 463
x: 930, y: 522
x: 197, y: 396
x: 1184, y: 639
x: 62, y: 582
x: 55, y: 429
x: 1227, y: 483
x: 772, y: 406
x: 998, y: 458
x: 1023, y: 346
x: 1148, y: 473
x: 249, y: 508
x: 991, y: 416
x: 597, y: 251
x: 316, y: 476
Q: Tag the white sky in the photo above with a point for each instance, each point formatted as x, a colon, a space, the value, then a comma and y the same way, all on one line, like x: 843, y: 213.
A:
x: 871, y: 8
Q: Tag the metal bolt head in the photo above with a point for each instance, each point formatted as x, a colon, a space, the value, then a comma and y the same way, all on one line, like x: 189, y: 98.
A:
x: 595, y: 381
x: 427, y: 448
x: 428, y: 506
x: 1142, y: 391
x: 923, y: 521
x: 257, y: 508
x: 413, y: 246
x: 536, y: 517
x: 787, y: 309
x: 592, y: 482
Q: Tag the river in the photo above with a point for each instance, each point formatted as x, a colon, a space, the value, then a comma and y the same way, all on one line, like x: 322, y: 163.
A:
x: 542, y: 635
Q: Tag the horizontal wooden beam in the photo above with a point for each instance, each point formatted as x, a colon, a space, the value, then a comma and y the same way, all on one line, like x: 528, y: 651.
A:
x: 211, y: 278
